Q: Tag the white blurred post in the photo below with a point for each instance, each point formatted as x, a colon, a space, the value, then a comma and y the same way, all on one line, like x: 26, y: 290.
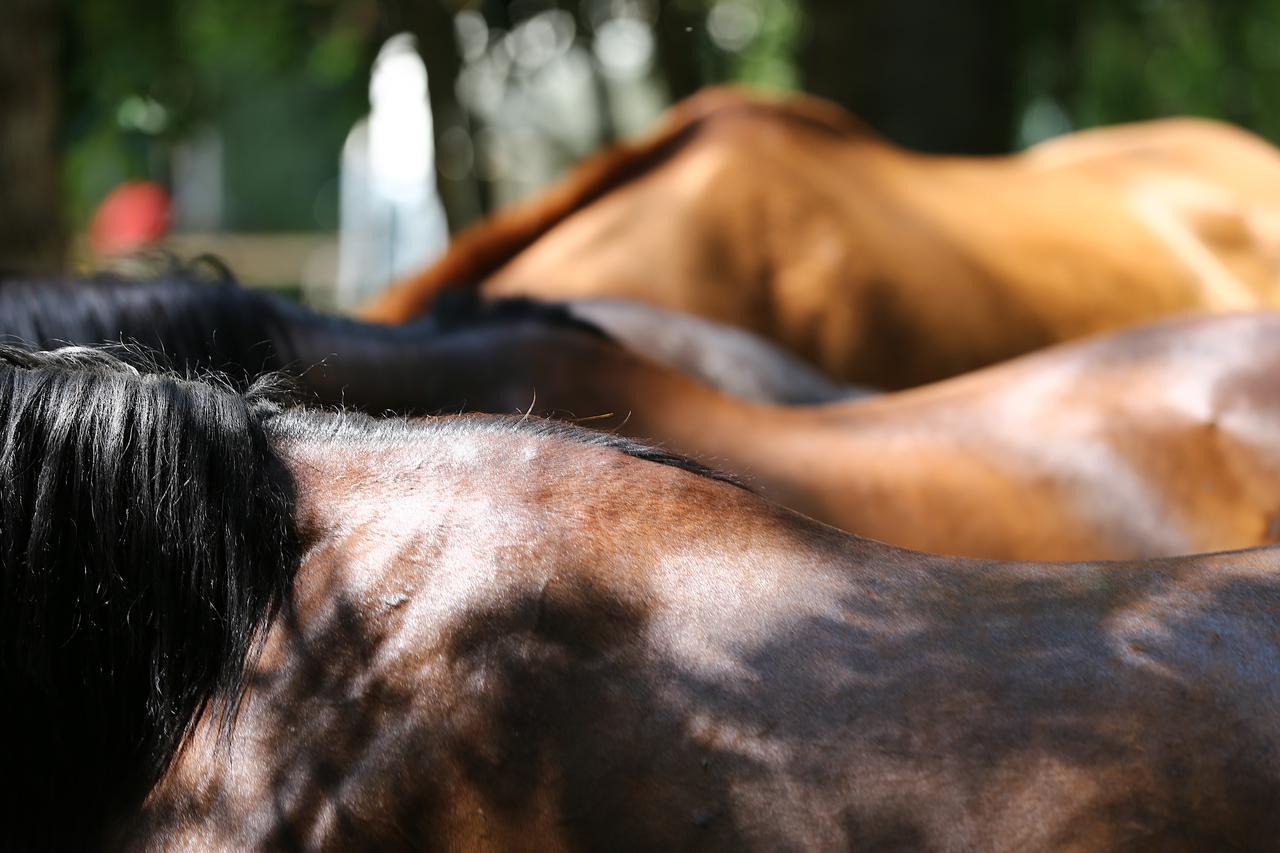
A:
x: 391, y: 220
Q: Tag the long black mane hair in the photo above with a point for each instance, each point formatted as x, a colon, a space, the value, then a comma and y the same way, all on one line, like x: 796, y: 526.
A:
x: 146, y: 539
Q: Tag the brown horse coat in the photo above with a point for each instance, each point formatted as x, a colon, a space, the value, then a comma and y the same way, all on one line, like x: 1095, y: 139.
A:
x: 1153, y: 441
x: 503, y: 639
x: 726, y: 358
x: 505, y: 634
x: 886, y: 267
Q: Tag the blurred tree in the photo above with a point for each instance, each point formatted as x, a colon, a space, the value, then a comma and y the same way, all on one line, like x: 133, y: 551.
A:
x: 281, y: 81
x: 31, y: 226
x: 1097, y: 62
x: 680, y: 40
x: 432, y: 25
x: 1049, y: 73
x: 770, y: 60
x: 937, y: 75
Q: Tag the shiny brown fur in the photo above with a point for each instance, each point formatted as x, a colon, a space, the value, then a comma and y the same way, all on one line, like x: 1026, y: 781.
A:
x: 1154, y: 441
x: 506, y: 640
x: 729, y: 359
x: 883, y: 266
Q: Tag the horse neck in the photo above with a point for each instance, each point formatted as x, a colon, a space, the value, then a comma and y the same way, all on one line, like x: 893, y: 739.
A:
x: 785, y: 453
x: 344, y: 601
x: 396, y: 520
x: 425, y: 542
x: 841, y: 463
x: 606, y: 386
x: 340, y: 361
x: 831, y: 462
x: 780, y: 451
x: 500, y: 367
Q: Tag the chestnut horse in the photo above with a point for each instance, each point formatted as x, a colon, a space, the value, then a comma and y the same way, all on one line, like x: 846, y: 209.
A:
x: 1153, y: 441
x: 230, y: 626
x: 883, y: 266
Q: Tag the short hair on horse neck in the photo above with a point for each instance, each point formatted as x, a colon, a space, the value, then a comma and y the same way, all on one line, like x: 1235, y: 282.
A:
x: 146, y: 539
x: 355, y: 427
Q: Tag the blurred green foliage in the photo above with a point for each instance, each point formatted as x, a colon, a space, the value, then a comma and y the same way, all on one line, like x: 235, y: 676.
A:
x: 1127, y: 60
x: 283, y: 80
x: 769, y: 60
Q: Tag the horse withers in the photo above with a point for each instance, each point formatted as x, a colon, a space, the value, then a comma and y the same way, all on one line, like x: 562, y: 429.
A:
x: 235, y: 626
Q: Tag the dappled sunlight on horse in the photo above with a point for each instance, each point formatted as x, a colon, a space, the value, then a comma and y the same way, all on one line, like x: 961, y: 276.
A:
x: 505, y: 633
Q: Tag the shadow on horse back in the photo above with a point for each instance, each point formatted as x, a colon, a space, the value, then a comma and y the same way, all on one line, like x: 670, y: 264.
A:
x: 262, y: 627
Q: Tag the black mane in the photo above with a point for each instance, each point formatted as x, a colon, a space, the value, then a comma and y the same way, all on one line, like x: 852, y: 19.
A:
x: 178, y: 319
x: 184, y: 321
x: 146, y: 539
x: 458, y: 309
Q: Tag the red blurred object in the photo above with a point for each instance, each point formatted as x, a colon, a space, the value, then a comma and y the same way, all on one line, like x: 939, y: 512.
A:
x: 132, y: 216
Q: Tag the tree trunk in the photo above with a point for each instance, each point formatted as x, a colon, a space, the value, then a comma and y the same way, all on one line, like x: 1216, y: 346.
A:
x: 679, y: 36
x: 31, y: 226
x: 431, y: 22
x: 936, y: 75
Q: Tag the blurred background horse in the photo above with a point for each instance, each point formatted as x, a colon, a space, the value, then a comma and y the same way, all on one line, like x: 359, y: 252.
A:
x: 884, y: 267
x: 1155, y: 441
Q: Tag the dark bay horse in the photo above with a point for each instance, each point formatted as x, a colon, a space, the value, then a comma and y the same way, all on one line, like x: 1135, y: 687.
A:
x: 193, y: 322
x: 883, y: 266
x: 232, y: 626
